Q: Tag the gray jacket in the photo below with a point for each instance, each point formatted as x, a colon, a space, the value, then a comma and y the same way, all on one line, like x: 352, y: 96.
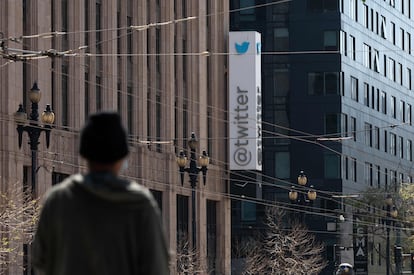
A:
x: 100, y: 224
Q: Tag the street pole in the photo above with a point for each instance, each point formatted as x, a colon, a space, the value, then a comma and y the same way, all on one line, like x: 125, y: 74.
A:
x: 193, y: 171
x: 34, y: 130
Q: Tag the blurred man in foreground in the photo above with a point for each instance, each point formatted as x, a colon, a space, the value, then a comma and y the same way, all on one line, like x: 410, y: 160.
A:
x: 98, y: 223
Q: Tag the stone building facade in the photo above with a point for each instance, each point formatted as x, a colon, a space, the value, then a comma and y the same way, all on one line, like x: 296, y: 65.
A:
x: 162, y: 76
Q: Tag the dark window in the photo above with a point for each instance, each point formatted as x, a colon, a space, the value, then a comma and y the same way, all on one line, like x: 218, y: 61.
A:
x: 368, y: 173
x: 353, y: 49
x: 366, y: 16
x: 383, y: 27
x: 346, y: 168
x: 129, y: 39
x: 26, y: 173
x: 87, y: 95
x: 401, y: 147
x: 353, y: 127
x: 247, y: 10
x: 281, y: 39
x: 119, y: 96
x: 393, y: 32
x: 315, y: 83
x: 332, y: 166
x: 248, y: 211
x: 158, y: 119
x: 330, y: 40
x: 322, y: 5
x: 65, y: 96
x: 354, y: 88
x: 409, y: 150
x: 211, y: 235
x: 98, y: 91
x: 393, y: 144
x: 393, y: 107
x: 158, y: 197
x: 86, y: 11
x: 353, y: 172
x: 383, y: 102
x: 158, y: 49
x: 98, y: 27
x: 402, y: 110
x: 366, y: 94
x: 386, y: 178
x: 130, y: 110
x: 58, y: 177
x: 368, y: 134
x: 378, y: 176
x: 330, y: 5
x: 315, y: 5
x: 343, y: 43
x: 376, y: 137
x: 64, y: 6
x: 373, y: 97
x: 320, y: 83
x: 332, y: 124
x: 378, y: 100
x: 182, y: 218
x: 332, y: 83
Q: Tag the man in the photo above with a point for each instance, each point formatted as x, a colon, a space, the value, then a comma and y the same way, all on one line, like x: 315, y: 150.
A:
x: 98, y: 223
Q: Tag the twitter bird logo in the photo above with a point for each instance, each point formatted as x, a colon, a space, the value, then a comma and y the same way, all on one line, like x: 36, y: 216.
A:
x: 242, y: 48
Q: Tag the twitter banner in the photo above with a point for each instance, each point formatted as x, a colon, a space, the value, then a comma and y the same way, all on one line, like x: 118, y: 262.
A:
x: 245, y: 101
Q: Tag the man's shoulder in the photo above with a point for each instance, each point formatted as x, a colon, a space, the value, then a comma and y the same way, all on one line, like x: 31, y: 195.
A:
x: 63, y: 187
x: 122, y: 191
x: 141, y: 191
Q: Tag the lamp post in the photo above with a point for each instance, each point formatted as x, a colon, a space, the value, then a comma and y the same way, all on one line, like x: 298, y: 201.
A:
x: 391, y: 214
x: 33, y: 129
x: 193, y: 171
x: 305, y: 196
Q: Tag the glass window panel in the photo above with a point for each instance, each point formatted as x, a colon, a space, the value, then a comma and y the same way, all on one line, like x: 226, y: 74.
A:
x: 332, y: 124
x: 366, y: 94
x: 330, y: 40
x: 282, y: 165
x: 281, y: 39
x: 354, y: 88
x: 332, y: 166
x: 248, y: 211
x: 315, y: 83
x: 332, y: 83
x: 315, y: 5
x: 331, y: 5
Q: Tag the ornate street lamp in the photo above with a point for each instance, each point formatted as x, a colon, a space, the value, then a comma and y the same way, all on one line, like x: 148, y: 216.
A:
x: 193, y: 170
x: 33, y: 128
x: 302, y: 197
x: 305, y: 196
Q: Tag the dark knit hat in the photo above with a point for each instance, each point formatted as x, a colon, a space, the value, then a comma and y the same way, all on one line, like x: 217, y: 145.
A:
x: 103, y: 139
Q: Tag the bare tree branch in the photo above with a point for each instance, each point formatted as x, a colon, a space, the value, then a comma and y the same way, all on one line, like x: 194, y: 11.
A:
x: 188, y: 259
x: 281, y: 251
x: 18, y: 217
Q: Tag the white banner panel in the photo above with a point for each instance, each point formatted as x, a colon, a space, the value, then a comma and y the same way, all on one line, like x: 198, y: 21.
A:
x: 245, y: 101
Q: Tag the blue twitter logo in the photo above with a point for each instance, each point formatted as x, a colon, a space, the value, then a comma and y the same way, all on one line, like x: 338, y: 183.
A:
x: 242, y: 48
